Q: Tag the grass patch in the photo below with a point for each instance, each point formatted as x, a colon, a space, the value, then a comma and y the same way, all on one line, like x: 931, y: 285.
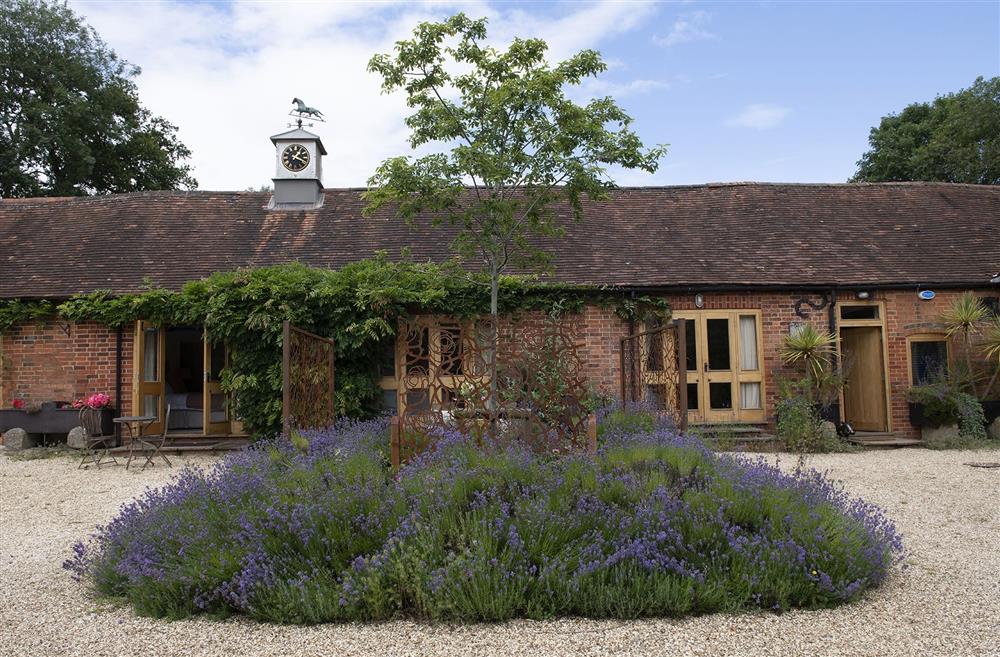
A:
x: 41, y: 453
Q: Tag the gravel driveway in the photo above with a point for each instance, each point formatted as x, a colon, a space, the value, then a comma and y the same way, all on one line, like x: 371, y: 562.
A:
x: 947, y: 603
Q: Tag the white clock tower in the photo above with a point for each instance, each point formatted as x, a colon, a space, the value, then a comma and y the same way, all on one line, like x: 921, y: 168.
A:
x: 298, y: 177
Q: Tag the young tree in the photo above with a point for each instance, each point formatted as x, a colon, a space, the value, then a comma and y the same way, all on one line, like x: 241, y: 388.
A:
x: 514, y: 143
x: 70, y: 118
x: 956, y: 138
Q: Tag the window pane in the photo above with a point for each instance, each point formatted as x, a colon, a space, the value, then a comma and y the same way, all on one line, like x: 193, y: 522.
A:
x: 387, y: 358
x: 151, y: 405
x: 859, y: 312
x: 748, y: 342
x: 389, y: 401
x: 691, y: 349
x: 417, y: 401
x: 417, y: 357
x: 693, y: 396
x: 718, y: 344
x: 656, y: 396
x: 750, y: 395
x: 720, y: 395
x: 150, y: 354
x: 451, y: 350
x: 218, y: 361
x: 929, y: 360
x: 220, y: 407
x: 654, y: 351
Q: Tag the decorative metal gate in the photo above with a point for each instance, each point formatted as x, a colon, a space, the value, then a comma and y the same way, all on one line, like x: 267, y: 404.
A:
x: 533, y: 390
x: 654, y: 371
x: 307, y: 371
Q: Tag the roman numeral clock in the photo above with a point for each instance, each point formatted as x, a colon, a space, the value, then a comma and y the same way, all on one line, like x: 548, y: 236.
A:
x: 298, y: 177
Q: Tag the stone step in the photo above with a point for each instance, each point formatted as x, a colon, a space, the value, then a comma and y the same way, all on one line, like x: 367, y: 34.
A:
x: 882, y: 439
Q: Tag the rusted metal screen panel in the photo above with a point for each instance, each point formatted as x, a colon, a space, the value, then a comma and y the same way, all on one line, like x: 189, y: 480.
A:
x: 653, y: 371
x: 532, y: 390
x: 307, y: 372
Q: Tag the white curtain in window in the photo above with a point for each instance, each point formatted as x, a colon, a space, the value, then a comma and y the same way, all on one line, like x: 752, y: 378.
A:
x: 748, y: 342
x: 150, y: 348
x: 750, y: 395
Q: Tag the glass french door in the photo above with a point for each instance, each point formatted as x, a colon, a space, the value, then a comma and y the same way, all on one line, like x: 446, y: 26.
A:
x: 724, y: 369
x: 152, y: 371
x: 216, y: 402
x: 149, y: 368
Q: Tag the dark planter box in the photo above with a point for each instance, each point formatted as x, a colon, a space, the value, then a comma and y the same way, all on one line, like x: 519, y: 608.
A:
x: 51, y: 420
x: 991, y: 409
x: 829, y: 413
x: 917, y: 417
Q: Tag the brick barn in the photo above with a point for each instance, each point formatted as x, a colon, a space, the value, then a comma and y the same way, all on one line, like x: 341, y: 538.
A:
x: 742, y: 263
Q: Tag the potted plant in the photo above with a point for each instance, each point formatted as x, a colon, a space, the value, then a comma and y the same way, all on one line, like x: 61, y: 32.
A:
x: 54, y: 417
x: 966, y: 318
x: 812, y: 350
x: 945, y: 413
x: 990, y: 347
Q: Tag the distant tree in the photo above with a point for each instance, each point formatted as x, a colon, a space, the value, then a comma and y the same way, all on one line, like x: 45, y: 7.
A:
x: 956, y: 138
x: 513, y: 143
x: 70, y: 118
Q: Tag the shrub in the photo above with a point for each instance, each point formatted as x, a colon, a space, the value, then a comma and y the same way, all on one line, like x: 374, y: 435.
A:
x: 944, y: 404
x: 654, y: 525
x: 799, y: 425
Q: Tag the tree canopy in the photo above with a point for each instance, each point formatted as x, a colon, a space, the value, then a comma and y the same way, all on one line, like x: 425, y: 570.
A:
x: 510, y: 141
x: 955, y: 138
x: 70, y: 118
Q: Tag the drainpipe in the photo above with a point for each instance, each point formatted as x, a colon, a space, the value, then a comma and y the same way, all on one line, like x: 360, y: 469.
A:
x: 832, y: 324
x: 118, y: 378
x: 631, y: 319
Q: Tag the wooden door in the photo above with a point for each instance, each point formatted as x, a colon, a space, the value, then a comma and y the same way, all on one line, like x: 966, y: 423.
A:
x: 150, y: 348
x: 693, y: 357
x: 864, y: 393
x: 216, y: 402
x: 718, y: 364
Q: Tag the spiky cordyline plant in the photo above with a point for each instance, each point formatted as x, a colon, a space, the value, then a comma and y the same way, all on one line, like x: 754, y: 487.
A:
x: 990, y: 346
x: 810, y: 348
x: 963, y: 318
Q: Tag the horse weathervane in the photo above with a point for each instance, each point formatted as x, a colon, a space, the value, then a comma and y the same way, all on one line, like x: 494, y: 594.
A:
x: 303, y: 111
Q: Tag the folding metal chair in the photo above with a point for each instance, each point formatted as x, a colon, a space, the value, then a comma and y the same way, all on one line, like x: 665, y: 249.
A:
x: 152, y: 446
x: 97, y: 444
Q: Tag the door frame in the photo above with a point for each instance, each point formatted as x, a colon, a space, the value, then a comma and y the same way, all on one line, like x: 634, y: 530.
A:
x: 140, y: 387
x: 231, y: 426
x: 876, y: 323
x: 735, y: 375
x: 212, y: 386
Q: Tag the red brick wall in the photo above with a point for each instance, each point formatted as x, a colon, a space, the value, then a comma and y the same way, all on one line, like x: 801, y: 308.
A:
x: 908, y: 315
x: 905, y: 315
x: 41, y: 362
x: 54, y: 361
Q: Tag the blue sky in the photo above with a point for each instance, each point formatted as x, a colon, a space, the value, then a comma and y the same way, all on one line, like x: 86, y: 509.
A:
x: 767, y: 91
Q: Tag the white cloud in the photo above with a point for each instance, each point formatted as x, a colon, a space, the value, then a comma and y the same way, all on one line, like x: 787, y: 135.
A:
x: 225, y: 74
x: 760, y: 116
x: 598, y: 87
x: 687, y: 28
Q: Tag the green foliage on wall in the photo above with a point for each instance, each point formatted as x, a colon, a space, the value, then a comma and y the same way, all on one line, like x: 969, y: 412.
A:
x: 358, y: 306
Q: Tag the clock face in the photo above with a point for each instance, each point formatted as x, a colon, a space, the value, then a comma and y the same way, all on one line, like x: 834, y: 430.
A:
x: 295, y: 157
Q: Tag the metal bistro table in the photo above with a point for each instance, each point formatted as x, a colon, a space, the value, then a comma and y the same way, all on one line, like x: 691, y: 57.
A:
x: 141, y: 423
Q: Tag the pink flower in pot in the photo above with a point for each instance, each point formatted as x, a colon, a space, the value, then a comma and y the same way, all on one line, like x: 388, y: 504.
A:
x: 18, y: 404
x: 98, y: 400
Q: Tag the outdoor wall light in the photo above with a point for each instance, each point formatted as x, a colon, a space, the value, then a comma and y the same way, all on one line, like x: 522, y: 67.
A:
x: 863, y: 295
x: 699, y: 301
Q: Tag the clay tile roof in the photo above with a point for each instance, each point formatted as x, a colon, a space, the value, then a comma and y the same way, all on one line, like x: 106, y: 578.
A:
x: 719, y: 235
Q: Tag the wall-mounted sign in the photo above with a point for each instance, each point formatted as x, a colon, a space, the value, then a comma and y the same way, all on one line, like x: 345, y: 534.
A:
x: 926, y: 295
